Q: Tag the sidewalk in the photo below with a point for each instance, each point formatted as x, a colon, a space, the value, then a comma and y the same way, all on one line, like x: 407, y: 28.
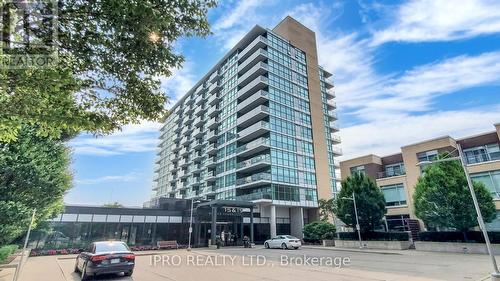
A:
x: 7, y: 270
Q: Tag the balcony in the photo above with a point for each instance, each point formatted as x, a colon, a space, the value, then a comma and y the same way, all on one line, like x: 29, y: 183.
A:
x: 199, y: 100
x: 184, y: 162
x: 199, y: 89
x: 259, y: 42
x: 210, y: 176
x: 177, y: 128
x: 197, y: 169
x: 212, y: 111
x: 334, y: 126
x: 198, y: 132
x: 213, y: 123
x: 208, y: 190
x: 212, y: 135
x: 184, y: 151
x: 214, y: 77
x: 335, y: 139
x: 253, y: 116
x: 332, y: 115
x: 259, y: 69
x: 213, y: 99
x: 330, y: 94
x: 254, y: 163
x: 211, y: 149
x: 183, y: 174
x: 198, y: 110
x: 254, y: 180
x: 254, y: 131
x: 189, y: 100
x: 331, y: 103
x: 210, y: 163
x: 176, y: 148
x: 257, y: 56
x: 213, y: 88
x: 185, y: 140
x: 328, y: 83
x: 337, y: 151
x: 198, y: 121
x: 253, y: 147
x: 258, y: 84
x: 256, y: 99
x: 198, y: 144
x: 196, y: 156
x: 385, y: 174
x: 188, y: 110
x: 186, y: 130
x: 173, y: 157
x: 258, y: 196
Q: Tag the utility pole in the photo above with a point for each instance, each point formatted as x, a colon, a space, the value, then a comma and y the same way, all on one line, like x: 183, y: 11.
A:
x: 18, y: 268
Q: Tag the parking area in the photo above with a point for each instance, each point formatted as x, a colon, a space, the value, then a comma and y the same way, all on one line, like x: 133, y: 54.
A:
x: 262, y: 264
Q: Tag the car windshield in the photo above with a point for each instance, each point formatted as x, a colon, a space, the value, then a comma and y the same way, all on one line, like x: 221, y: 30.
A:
x: 111, y: 247
x: 290, y: 237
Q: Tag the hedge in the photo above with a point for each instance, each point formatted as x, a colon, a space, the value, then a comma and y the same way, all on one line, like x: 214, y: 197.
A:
x: 455, y: 236
x: 373, y: 236
x: 6, y: 251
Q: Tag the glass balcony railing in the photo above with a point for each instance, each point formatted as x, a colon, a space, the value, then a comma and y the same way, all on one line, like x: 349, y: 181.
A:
x: 254, y: 196
x: 253, y: 178
x: 254, y: 160
x: 253, y: 144
x: 388, y: 174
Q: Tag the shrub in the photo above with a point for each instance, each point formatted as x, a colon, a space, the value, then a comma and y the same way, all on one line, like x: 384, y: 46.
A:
x: 318, y: 230
x: 6, y: 251
x: 372, y: 236
x: 456, y: 236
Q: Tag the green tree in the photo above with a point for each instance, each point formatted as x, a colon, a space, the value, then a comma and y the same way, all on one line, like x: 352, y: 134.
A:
x: 370, y: 202
x: 319, y: 230
x: 111, y: 55
x: 326, y: 208
x: 442, y: 198
x: 33, y: 174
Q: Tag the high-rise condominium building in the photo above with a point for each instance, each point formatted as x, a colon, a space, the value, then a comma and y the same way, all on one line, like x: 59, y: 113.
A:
x: 259, y: 126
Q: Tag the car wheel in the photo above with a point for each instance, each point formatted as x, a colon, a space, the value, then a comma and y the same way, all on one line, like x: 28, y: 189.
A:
x: 129, y: 273
x: 295, y: 248
x: 283, y: 246
x: 266, y: 245
x: 85, y: 276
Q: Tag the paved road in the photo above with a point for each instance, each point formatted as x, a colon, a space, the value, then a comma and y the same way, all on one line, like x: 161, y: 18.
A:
x: 260, y: 264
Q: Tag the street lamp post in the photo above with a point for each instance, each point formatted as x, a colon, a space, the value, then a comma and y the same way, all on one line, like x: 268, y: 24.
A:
x: 496, y: 274
x: 190, y: 225
x: 353, y: 198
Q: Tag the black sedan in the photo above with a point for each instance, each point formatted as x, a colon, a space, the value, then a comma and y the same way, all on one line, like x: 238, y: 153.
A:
x: 105, y: 258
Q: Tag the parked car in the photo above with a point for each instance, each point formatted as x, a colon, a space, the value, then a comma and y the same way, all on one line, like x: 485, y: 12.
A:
x: 105, y: 257
x: 284, y: 242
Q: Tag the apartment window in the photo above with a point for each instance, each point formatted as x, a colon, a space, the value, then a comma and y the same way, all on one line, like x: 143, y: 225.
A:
x: 395, y: 194
x: 285, y: 193
x: 230, y: 179
x: 491, y: 180
x: 283, y: 158
x: 394, y: 170
x: 282, y: 126
x: 427, y: 155
x: 284, y: 175
x: 482, y: 153
x: 282, y: 141
x: 357, y: 169
x: 311, y: 195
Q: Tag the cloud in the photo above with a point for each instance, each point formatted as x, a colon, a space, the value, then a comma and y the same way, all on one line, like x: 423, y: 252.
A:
x: 130, y: 177
x: 386, y: 136
x: 141, y: 137
x: 237, y: 20
x: 180, y: 82
x: 440, y: 20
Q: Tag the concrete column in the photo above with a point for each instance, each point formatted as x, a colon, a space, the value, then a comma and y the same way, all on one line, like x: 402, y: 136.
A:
x: 272, y: 220
x: 296, y: 221
x: 251, y: 224
x: 214, y: 225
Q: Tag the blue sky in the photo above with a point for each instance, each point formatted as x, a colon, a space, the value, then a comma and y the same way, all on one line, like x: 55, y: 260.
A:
x: 404, y: 71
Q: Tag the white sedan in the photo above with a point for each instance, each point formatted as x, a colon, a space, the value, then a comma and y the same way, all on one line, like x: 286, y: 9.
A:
x: 284, y: 242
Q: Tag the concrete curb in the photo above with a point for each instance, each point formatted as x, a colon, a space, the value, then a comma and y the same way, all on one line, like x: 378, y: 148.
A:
x: 352, y: 250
